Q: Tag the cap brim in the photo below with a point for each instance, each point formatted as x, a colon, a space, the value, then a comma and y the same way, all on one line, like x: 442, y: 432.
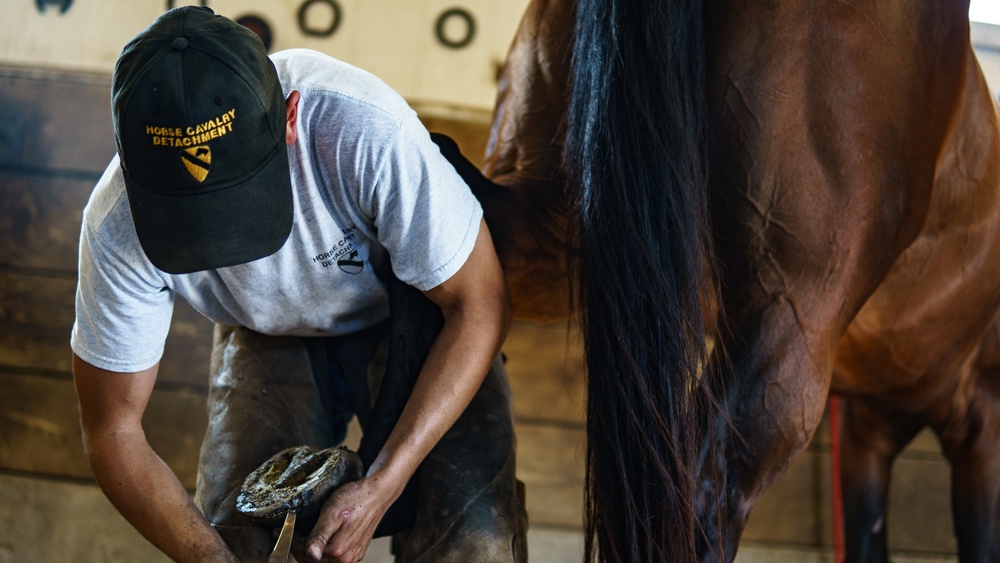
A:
x: 222, y: 227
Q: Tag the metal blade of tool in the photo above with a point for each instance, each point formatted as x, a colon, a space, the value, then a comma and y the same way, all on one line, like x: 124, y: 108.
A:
x: 284, y: 543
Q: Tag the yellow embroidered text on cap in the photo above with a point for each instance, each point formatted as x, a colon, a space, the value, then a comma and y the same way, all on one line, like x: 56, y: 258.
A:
x: 192, y: 135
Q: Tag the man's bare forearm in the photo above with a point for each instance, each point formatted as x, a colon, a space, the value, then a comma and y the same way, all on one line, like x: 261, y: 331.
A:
x: 476, y: 309
x: 144, y: 489
x: 130, y: 473
x: 454, y: 370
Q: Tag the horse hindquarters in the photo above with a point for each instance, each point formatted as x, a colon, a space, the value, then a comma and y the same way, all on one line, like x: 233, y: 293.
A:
x: 822, y: 175
x: 907, y: 354
x: 528, y: 204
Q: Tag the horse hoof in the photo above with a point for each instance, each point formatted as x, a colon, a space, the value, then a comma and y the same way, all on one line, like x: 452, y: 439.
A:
x: 299, y: 479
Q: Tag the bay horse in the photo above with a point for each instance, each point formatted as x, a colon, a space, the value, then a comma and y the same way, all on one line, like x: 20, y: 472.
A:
x: 748, y: 205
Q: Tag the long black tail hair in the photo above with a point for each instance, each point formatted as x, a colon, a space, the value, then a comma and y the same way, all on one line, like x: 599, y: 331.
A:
x: 635, y: 146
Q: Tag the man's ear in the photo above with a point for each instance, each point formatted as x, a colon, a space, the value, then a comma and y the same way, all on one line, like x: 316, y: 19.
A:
x: 291, y: 116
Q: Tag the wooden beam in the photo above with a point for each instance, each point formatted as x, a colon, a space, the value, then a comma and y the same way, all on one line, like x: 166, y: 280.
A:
x: 55, y: 124
x: 37, y: 318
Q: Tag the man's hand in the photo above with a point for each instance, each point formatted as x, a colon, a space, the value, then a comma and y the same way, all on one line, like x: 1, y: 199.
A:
x: 347, y: 522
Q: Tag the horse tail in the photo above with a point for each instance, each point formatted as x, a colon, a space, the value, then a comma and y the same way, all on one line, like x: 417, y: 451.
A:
x: 635, y: 143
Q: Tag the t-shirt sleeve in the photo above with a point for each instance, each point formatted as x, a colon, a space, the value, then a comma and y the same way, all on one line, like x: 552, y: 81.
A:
x: 123, y: 309
x: 425, y: 214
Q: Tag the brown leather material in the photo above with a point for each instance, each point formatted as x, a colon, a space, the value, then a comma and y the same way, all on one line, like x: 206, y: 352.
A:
x: 263, y: 398
x: 476, y: 516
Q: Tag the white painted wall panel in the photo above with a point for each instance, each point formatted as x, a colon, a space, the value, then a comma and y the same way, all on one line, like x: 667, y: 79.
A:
x: 88, y: 37
x: 986, y: 41
x: 387, y: 44
x: 393, y: 39
x: 436, y: 62
x: 989, y: 60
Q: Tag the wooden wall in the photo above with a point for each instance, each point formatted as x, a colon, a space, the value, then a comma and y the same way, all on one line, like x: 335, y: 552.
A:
x: 56, y: 139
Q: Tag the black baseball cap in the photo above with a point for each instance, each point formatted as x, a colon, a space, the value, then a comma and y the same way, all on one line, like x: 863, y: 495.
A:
x: 199, y: 119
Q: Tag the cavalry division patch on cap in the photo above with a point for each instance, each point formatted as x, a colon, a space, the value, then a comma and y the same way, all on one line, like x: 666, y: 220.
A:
x: 198, y: 161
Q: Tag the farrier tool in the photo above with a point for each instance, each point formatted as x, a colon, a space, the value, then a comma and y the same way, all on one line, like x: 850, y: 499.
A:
x: 284, y: 543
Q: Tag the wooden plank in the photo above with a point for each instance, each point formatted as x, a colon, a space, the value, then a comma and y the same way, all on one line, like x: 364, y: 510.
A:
x: 471, y: 136
x: 553, y: 545
x: 61, y: 122
x: 63, y: 521
x: 40, y: 432
x: 550, y: 462
x: 37, y: 314
x: 797, y: 510
x: 40, y: 220
x: 57, y: 124
x: 919, y: 515
x: 546, y: 370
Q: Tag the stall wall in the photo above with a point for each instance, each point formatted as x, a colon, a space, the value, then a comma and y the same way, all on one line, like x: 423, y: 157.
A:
x: 396, y: 40
x: 986, y: 42
x: 56, y: 139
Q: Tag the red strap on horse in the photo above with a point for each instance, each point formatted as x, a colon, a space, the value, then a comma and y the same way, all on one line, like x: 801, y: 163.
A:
x: 833, y: 408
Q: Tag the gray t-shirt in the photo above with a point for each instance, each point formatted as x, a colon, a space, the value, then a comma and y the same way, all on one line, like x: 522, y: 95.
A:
x: 368, y: 183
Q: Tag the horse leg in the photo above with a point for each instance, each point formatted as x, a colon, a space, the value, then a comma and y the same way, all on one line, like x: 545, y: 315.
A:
x: 773, y: 416
x: 774, y: 404
x: 970, y: 443
x: 872, y: 437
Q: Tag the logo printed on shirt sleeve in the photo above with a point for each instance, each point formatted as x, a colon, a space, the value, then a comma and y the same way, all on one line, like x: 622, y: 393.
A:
x: 350, y: 263
x: 344, y: 254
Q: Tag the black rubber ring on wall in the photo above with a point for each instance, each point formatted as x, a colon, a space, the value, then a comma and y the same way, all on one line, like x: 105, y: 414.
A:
x: 304, y: 8
x: 170, y: 4
x: 470, y: 28
x: 260, y: 27
x: 63, y: 5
